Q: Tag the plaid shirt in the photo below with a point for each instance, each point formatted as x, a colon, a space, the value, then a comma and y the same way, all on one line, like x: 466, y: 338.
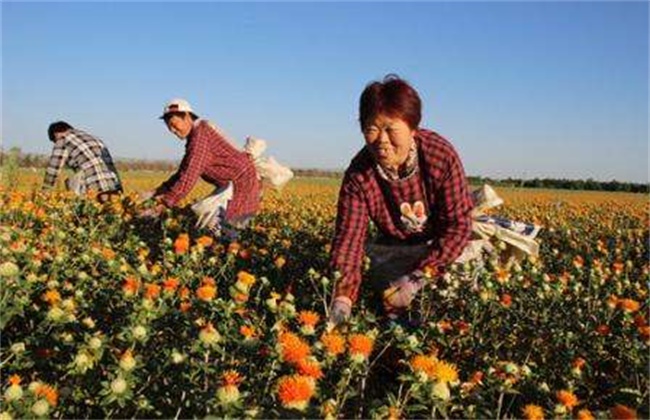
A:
x: 211, y: 156
x: 82, y: 152
x: 439, y: 184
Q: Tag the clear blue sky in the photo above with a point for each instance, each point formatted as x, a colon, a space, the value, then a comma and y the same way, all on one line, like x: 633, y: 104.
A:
x: 522, y: 89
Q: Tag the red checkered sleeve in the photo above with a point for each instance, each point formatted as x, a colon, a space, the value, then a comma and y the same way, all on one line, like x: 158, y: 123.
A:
x: 349, y: 238
x: 195, y: 159
x: 453, y: 207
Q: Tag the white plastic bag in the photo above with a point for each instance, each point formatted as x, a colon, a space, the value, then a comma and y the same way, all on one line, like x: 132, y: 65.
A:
x: 211, y: 209
x: 267, y: 167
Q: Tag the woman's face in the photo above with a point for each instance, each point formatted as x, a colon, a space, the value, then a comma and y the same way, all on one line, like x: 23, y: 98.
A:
x: 389, y: 140
x: 180, y: 125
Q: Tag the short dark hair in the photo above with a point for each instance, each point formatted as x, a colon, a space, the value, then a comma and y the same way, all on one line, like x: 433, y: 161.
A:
x: 392, y: 96
x: 57, y: 127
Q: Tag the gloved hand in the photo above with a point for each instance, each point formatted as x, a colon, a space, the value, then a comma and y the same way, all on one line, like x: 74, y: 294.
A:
x: 401, y: 292
x: 339, y: 311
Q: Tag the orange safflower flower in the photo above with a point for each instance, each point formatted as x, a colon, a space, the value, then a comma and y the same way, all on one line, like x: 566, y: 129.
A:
x: 131, y: 286
x: 185, y: 306
x: 240, y: 297
x: 208, y: 280
x: 533, y: 412
x: 629, y: 305
x: 15, y: 379
x: 424, y: 364
x: 310, y: 367
x: 644, y: 331
x: 205, y: 241
x: 280, y: 262
x: 231, y: 377
x: 621, y: 412
x: 108, y: 253
x: 292, y: 348
x: 360, y: 346
x: 170, y: 284
x: 603, y: 329
x: 618, y: 267
x: 182, y: 243
x: 502, y: 275
x: 295, y: 391
x: 184, y: 293
x: 151, y: 290
x: 578, y: 262
x: 233, y: 248
x: 310, y: 318
x: 578, y: 363
x: 612, y: 301
x: 246, y: 278
x: 50, y: 394
x: 52, y: 297
x: 247, y: 331
x: 567, y: 399
x: 585, y: 414
x: 506, y: 300
x: 206, y: 292
x: 640, y: 321
x: 334, y: 343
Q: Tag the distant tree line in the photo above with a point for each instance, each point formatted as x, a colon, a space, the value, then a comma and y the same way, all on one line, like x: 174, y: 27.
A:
x: 565, y: 184
x: 30, y: 160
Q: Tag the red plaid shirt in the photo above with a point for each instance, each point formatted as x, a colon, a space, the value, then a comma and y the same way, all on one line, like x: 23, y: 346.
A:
x: 209, y: 155
x: 439, y: 183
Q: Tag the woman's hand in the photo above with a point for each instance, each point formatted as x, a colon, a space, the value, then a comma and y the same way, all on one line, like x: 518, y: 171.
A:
x: 339, y: 311
x: 401, y: 292
x: 153, y: 212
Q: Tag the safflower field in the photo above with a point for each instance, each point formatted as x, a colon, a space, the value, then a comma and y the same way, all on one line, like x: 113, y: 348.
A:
x: 105, y: 315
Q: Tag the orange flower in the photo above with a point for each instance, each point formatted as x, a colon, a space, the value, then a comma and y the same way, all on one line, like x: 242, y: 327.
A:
x: 184, y: 293
x: 108, y: 253
x: 295, y: 391
x: 502, y: 275
x: 567, y: 399
x: 14, y: 379
x: 246, y: 278
x: 612, y: 301
x: 533, y: 412
x: 151, y: 291
x: 240, y: 297
x: 206, y: 292
x: 131, y: 286
x: 618, y: 267
x: 205, y: 241
x: 308, y: 318
x: 506, y: 300
x: 629, y: 305
x: 334, y: 343
x: 425, y: 365
x: 50, y: 394
x: 578, y: 262
x: 182, y: 243
x: 280, y: 262
x: 231, y: 377
x: 233, y: 248
x: 170, y: 284
x: 292, y: 348
x: 247, y: 331
x: 185, y: 306
x: 360, y: 347
x: 603, y: 329
x: 578, y: 363
x: 621, y: 412
x: 310, y: 367
x: 585, y: 414
x: 52, y: 297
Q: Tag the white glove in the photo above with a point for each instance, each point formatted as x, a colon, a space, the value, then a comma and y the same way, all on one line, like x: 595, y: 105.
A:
x: 339, y: 311
x: 402, y: 291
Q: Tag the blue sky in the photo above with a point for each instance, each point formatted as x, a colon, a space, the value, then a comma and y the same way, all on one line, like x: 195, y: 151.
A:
x: 522, y: 89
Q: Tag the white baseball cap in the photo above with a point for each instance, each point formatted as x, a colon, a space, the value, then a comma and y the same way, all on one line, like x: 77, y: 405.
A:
x: 178, y: 105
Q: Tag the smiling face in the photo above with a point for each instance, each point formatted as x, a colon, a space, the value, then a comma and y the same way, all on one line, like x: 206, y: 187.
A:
x: 389, y: 140
x: 180, y: 124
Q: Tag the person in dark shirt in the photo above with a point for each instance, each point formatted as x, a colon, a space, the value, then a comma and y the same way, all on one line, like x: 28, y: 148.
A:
x: 410, y: 182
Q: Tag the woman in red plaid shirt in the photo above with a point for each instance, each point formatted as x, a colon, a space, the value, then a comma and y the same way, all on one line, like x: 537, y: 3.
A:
x: 211, y: 156
x: 409, y: 181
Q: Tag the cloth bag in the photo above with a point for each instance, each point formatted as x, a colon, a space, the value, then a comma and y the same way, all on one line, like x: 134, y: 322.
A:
x: 211, y: 210
x: 267, y: 168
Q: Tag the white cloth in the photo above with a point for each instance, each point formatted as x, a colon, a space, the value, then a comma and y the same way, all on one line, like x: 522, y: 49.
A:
x: 267, y: 167
x: 76, y: 183
x: 212, y: 209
